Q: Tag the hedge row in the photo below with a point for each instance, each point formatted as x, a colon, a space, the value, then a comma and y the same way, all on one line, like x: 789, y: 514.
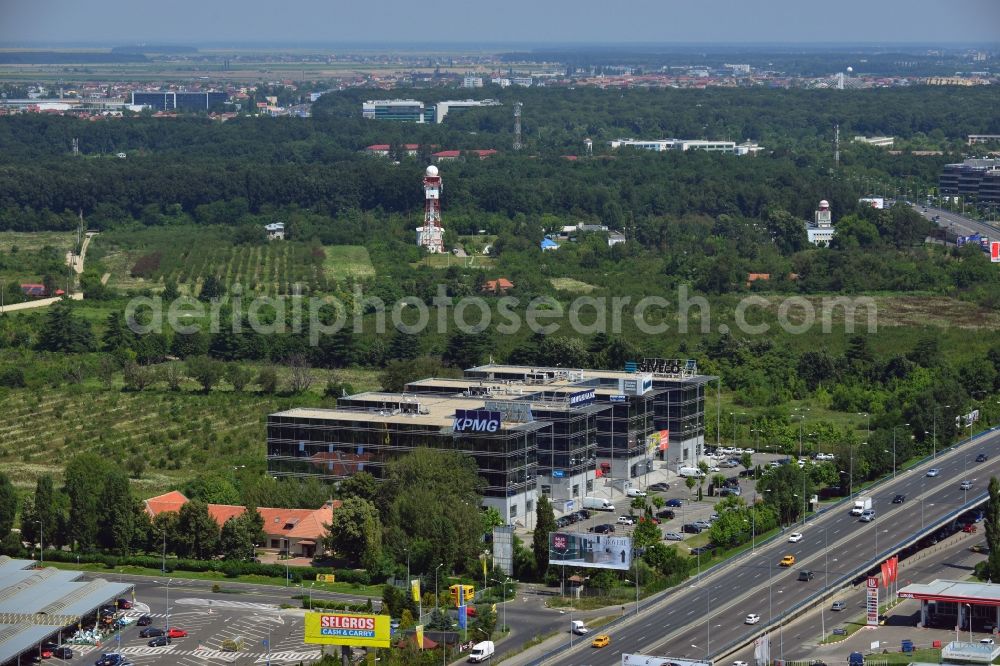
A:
x: 229, y: 568
x: 323, y: 604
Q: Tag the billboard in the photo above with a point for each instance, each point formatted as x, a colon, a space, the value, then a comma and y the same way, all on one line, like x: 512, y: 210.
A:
x: 354, y: 629
x: 640, y: 385
x: 657, y: 441
x: 476, y: 420
x: 667, y: 366
x: 595, y: 551
x: 644, y: 660
x: 995, y: 252
x: 872, y: 601
x: 581, y: 398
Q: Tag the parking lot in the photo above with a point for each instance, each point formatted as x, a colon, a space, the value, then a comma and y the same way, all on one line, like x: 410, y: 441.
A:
x: 209, y: 620
x: 667, y: 484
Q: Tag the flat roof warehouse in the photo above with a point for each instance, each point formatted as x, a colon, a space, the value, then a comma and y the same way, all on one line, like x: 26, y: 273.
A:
x: 37, y: 605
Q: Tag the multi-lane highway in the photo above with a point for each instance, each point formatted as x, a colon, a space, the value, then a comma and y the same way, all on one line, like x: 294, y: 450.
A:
x: 958, y: 224
x: 706, y: 617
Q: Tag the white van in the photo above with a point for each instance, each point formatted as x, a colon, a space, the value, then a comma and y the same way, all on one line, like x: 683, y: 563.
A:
x: 481, y: 652
x: 635, y: 492
x: 691, y: 471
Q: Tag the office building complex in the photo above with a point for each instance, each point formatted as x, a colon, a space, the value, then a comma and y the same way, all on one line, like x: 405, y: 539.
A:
x: 414, y: 111
x: 530, y: 430
x: 973, y: 178
x: 179, y: 101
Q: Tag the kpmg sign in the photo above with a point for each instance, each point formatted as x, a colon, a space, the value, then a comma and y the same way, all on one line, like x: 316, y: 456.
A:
x: 581, y: 398
x: 476, y: 420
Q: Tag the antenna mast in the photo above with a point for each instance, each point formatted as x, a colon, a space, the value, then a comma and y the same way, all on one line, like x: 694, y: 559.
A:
x: 517, y: 125
x: 836, y: 145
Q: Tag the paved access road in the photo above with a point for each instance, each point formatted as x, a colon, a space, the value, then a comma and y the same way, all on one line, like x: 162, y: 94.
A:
x: 707, y: 616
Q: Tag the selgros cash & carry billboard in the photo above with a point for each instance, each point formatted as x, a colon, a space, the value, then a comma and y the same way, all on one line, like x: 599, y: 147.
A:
x: 355, y: 629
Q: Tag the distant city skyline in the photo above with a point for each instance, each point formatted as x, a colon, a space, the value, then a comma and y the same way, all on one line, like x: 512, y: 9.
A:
x: 448, y: 22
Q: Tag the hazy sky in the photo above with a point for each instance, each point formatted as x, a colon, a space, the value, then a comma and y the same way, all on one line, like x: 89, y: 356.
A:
x: 116, y: 22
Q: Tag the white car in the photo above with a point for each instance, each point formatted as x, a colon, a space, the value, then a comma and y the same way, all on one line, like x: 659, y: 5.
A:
x: 626, y: 520
x: 966, y: 485
x: 752, y: 618
x: 934, y: 471
x: 740, y: 663
x: 824, y: 456
x: 794, y: 537
x: 749, y: 452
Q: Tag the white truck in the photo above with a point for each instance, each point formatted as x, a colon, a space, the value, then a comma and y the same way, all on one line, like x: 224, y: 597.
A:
x: 690, y: 471
x: 861, y: 505
x: 578, y: 627
x: 481, y: 652
x: 598, y: 503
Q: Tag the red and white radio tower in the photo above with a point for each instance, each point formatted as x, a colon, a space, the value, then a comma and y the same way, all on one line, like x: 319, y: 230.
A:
x: 431, y: 235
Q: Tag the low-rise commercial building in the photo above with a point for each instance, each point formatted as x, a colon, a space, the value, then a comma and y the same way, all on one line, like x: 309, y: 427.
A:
x: 973, y: 178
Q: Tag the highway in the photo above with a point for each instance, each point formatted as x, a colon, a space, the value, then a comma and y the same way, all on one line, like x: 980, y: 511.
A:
x: 961, y: 226
x: 706, y: 617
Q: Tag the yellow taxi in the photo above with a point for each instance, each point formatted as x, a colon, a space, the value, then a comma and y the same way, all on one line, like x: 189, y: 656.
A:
x: 601, y: 641
x: 787, y: 561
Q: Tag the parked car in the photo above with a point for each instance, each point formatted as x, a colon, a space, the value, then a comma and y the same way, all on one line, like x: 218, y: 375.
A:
x: 674, y: 503
x: 174, y: 632
x: 583, y: 514
x: 144, y: 621
x: 727, y: 491
x: 690, y: 528
x: 159, y: 641
x: 673, y: 536
x: 752, y: 618
x: 982, y: 457
x: 787, y: 561
x: 112, y: 659
x: 150, y: 632
x: 58, y: 651
x: 660, y: 487
x: 666, y: 514
x: 707, y: 549
x: 604, y: 528
x: 933, y: 471
x: 965, y: 485
x: 703, y: 524
x: 899, y: 499
x: 806, y: 575
x: 838, y: 606
x: 626, y: 520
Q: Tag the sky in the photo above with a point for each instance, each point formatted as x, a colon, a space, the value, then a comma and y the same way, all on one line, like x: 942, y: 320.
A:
x: 541, y: 22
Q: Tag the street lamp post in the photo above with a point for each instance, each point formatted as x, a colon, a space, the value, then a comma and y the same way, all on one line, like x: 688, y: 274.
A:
x: 436, y: 602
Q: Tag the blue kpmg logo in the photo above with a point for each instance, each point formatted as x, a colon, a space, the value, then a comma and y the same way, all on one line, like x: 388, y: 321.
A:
x: 581, y: 398
x: 476, y: 420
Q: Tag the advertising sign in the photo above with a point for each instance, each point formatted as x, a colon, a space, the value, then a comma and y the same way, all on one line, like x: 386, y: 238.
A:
x: 995, y: 252
x: 581, y: 398
x: 618, y: 398
x: 596, y: 551
x: 871, y: 604
x: 354, y: 629
x: 326, y: 578
x: 644, y: 660
x: 640, y: 385
x: 668, y: 366
x: 476, y: 420
x: 503, y: 549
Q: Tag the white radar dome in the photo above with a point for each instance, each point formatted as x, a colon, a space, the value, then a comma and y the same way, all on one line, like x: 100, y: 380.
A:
x: 824, y: 204
x: 850, y: 69
x: 431, y: 170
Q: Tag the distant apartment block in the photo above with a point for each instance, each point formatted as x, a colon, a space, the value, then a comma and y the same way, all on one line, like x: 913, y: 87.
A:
x: 984, y: 138
x: 179, y: 101
x: 472, y: 82
x: 414, y: 111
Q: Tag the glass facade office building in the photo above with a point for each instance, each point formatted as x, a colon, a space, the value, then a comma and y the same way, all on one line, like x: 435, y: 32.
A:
x: 184, y: 101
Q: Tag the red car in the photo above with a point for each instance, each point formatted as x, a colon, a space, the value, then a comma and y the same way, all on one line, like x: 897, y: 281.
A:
x: 970, y: 528
x: 174, y: 632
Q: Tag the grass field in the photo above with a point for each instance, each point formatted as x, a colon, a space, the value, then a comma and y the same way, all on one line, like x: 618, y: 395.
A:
x: 448, y: 259
x: 571, y: 285
x: 344, y: 261
x: 35, y: 240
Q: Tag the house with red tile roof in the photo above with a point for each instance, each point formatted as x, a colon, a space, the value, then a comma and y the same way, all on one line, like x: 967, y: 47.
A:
x: 498, y: 286
x: 298, y: 532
